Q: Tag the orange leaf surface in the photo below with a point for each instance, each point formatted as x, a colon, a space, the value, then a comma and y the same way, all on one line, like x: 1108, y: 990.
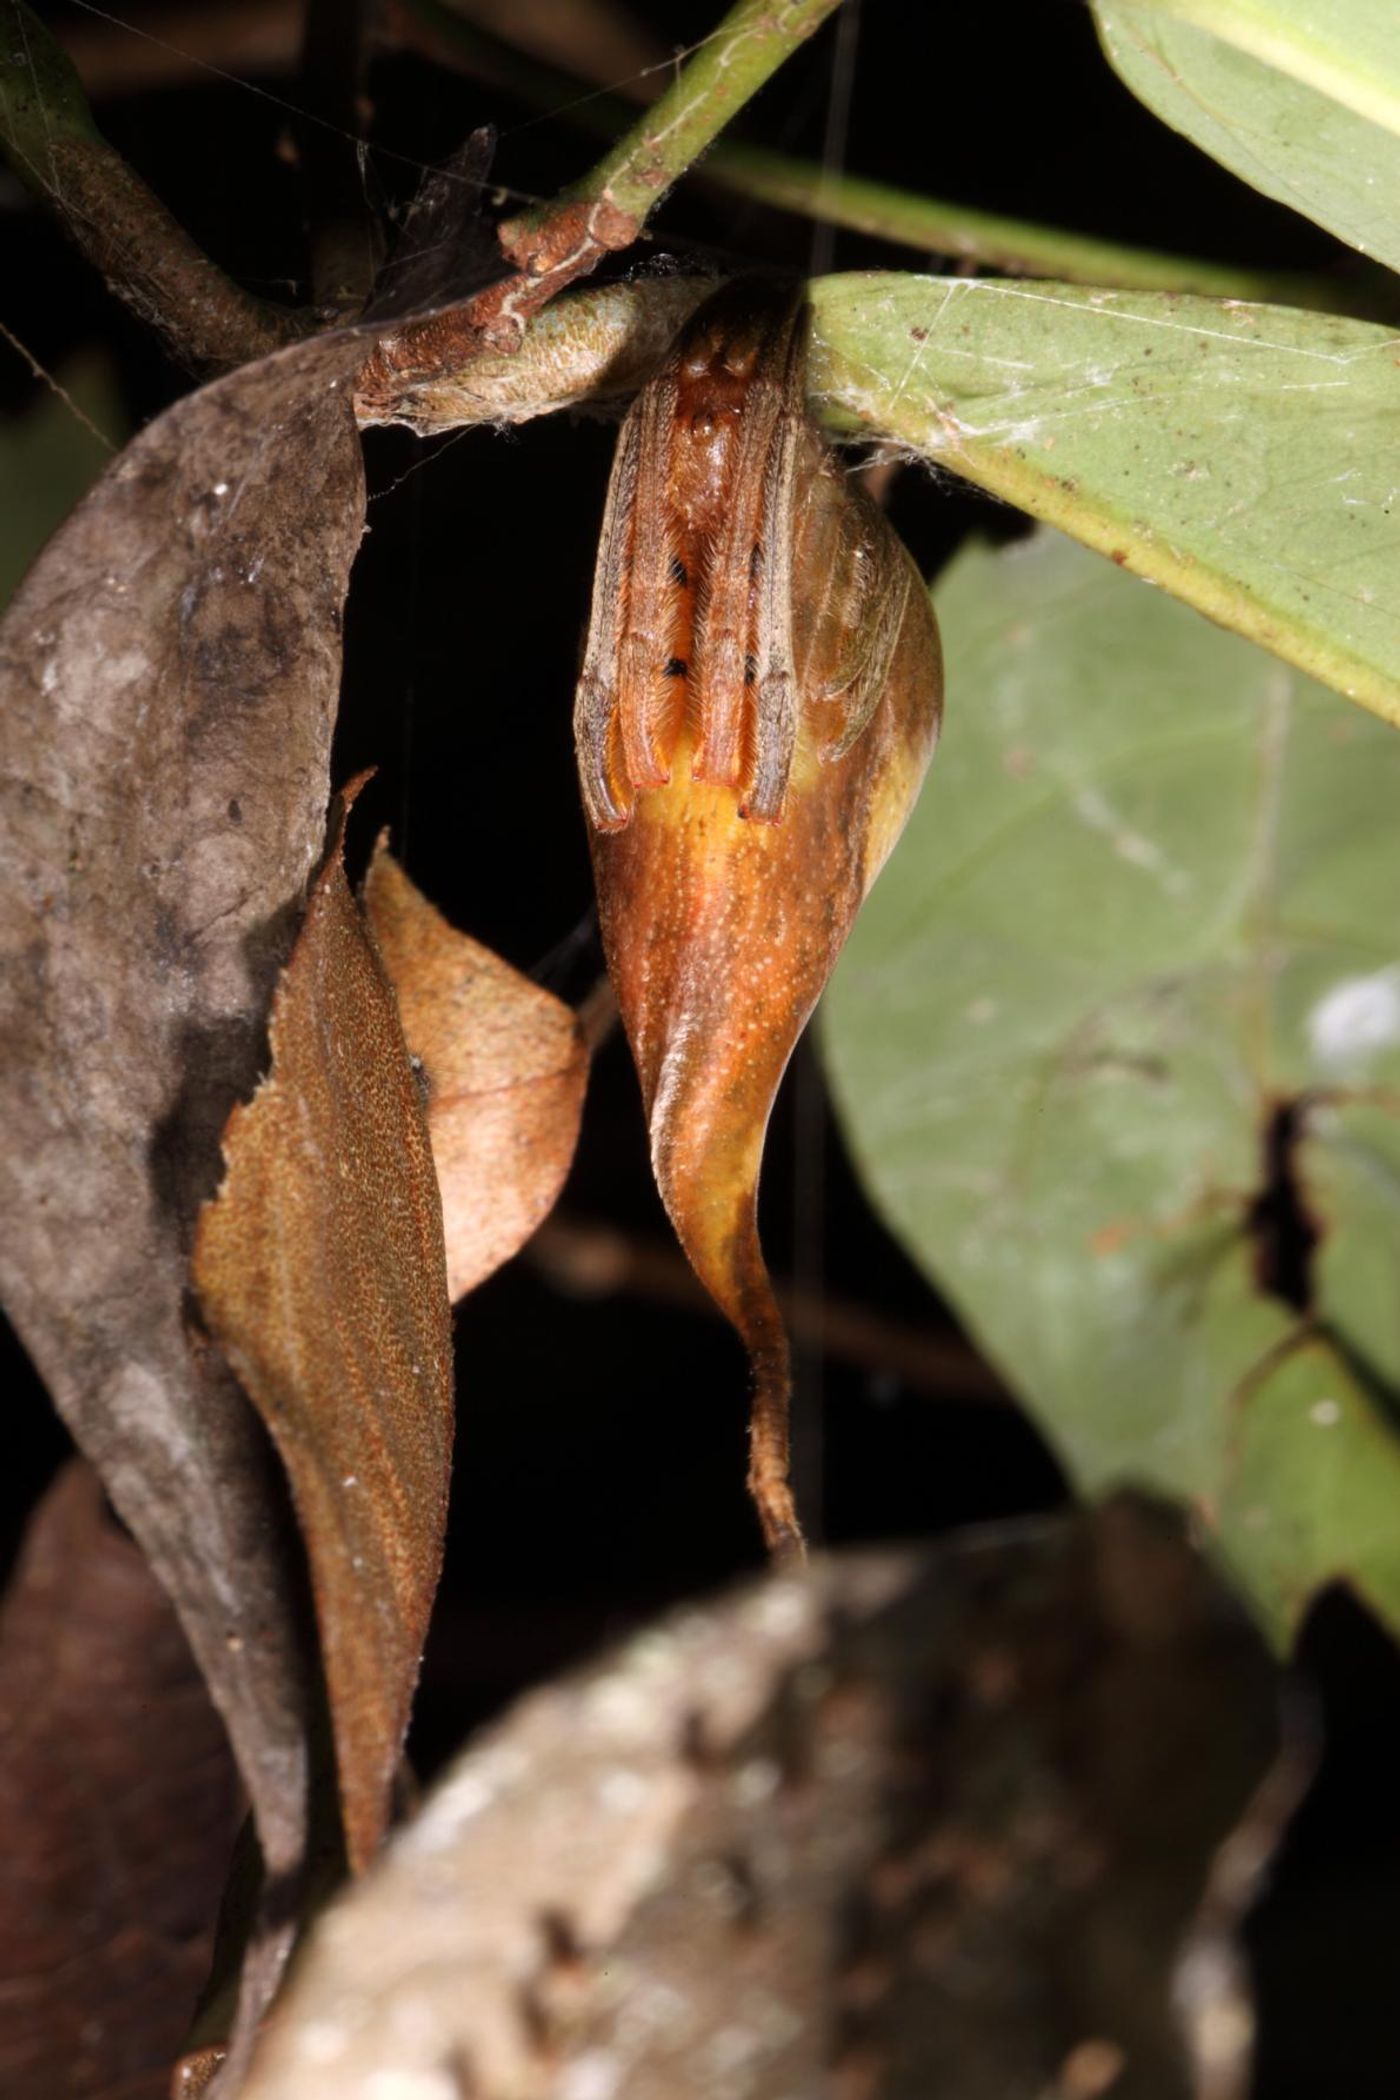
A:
x: 759, y: 701
x: 506, y: 1066
x: 320, y: 1269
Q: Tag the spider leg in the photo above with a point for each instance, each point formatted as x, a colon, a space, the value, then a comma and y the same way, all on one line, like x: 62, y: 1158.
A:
x: 616, y: 705
x: 735, y: 693
x: 606, y: 795
x: 775, y: 717
x: 642, y: 650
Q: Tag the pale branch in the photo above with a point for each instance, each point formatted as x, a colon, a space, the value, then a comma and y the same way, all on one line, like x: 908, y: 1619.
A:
x: 552, y: 245
x: 147, y: 259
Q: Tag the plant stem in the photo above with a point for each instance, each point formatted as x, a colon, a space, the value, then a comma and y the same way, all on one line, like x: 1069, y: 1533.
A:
x: 726, y: 69
x: 937, y: 227
x: 931, y: 225
x: 553, y: 244
x: 148, y: 260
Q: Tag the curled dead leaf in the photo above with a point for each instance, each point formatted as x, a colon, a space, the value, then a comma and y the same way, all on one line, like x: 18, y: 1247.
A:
x: 321, y: 1274
x: 506, y: 1067
x: 759, y: 701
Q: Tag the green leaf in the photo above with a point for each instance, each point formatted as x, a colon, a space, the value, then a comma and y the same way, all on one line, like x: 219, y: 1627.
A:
x: 1301, y: 100
x: 1148, y: 897
x: 1243, y: 457
x: 1314, y: 1488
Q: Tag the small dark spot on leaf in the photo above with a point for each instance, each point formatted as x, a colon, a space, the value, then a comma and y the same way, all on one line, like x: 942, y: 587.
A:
x: 536, y: 2022
x: 235, y: 810
x: 743, y: 1897
x: 695, y: 1747
x: 920, y: 335
x: 457, y: 2065
x: 421, y: 1080
x: 1284, y: 1233
x: 562, y: 1947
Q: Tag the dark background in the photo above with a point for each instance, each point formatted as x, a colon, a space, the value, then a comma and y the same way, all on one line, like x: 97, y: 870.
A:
x: 601, y: 1450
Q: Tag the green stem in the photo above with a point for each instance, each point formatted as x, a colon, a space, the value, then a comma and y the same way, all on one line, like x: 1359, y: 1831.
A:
x: 936, y: 227
x: 722, y: 74
x: 553, y: 244
x: 931, y: 225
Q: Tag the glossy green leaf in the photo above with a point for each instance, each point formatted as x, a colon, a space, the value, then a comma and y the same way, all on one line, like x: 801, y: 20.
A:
x: 1243, y: 457
x: 1150, y: 895
x: 1299, y: 97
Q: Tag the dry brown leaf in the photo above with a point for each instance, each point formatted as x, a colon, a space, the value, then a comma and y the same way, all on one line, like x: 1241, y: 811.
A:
x: 118, y: 1807
x: 506, y: 1066
x: 320, y: 1270
x: 760, y: 698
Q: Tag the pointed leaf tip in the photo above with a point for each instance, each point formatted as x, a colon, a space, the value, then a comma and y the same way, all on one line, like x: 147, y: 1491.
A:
x: 321, y: 1273
x: 759, y: 700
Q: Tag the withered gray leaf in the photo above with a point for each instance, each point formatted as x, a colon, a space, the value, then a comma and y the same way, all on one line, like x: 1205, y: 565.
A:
x: 168, y: 680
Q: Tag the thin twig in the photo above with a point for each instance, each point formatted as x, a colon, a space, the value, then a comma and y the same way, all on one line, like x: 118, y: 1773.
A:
x: 148, y: 260
x: 551, y: 246
x: 594, y: 1261
x: 55, y: 387
x: 930, y: 225
x: 717, y: 80
x: 936, y: 226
